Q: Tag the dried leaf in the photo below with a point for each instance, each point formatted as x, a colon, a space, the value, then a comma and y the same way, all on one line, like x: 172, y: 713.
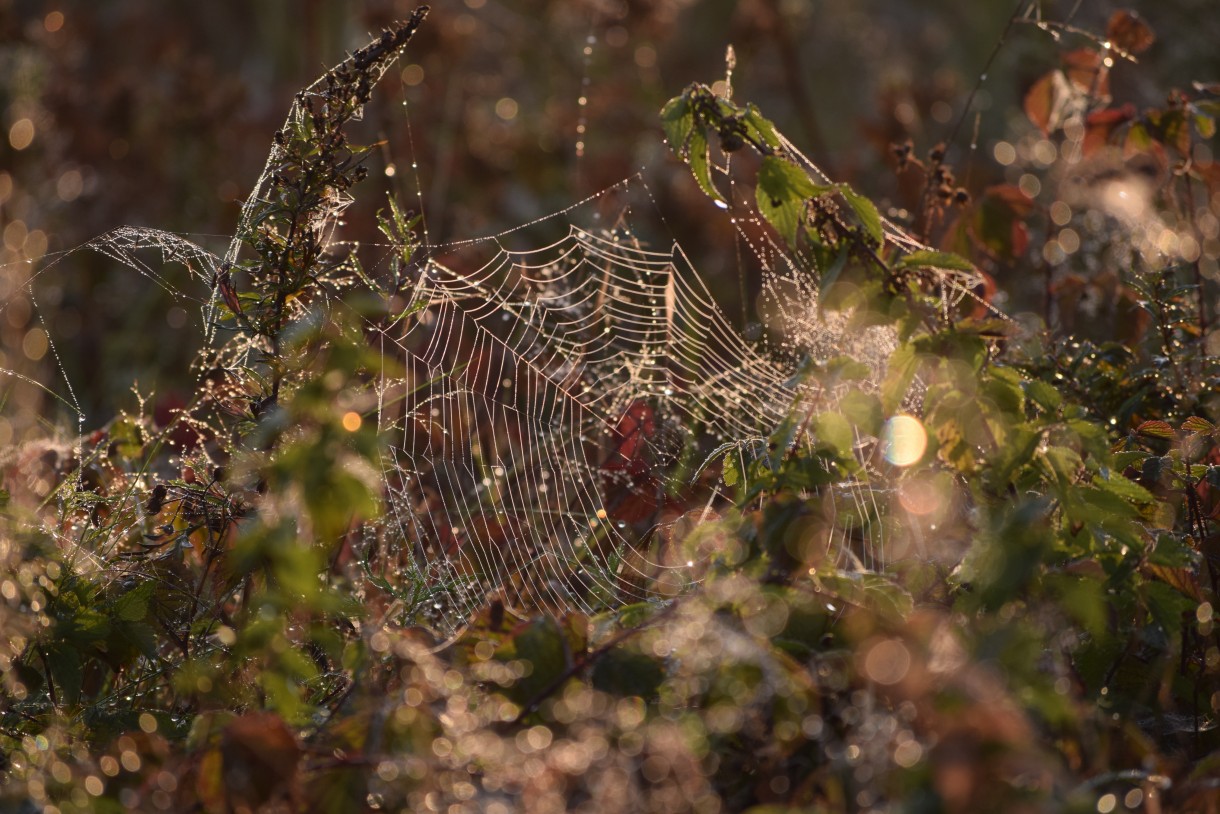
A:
x: 1128, y: 31
x: 260, y: 756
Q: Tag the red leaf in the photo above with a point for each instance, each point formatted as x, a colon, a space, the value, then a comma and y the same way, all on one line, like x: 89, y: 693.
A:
x: 635, y: 428
x: 1086, y: 70
x: 1040, y: 102
x: 1128, y: 31
x: 225, y: 283
x: 1100, y: 125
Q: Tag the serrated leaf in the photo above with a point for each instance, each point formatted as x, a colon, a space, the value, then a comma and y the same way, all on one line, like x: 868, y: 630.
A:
x: 1173, y: 551
x: 783, y: 188
x: 729, y: 472
x: 133, y: 605
x: 1013, y: 455
x: 1155, y: 429
x: 701, y: 164
x: 1044, y: 395
x: 1125, y: 488
x: 677, y: 120
x: 936, y: 260
x: 1197, y: 424
x: 762, y: 127
x: 866, y: 212
x: 1169, y: 600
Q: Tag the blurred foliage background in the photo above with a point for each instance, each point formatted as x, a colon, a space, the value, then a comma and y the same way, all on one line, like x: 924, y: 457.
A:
x: 135, y: 112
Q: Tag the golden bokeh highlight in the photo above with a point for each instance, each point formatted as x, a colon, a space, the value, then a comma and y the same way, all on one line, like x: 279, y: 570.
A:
x: 887, y: 662
x: 21, y: 134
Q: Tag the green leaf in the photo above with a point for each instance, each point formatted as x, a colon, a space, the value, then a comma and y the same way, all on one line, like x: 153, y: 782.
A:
x: 1044, y: 395
x: 678, y: 120
x: 728, y: 470
x: 1005, y: 392
x: 1014, y: 455
x: 1083, y: 598
x: 783, y: 188
x: 831, y: 275
x: 1204, y: 124
x: 626, y: 672
x: 865, y: 211
x: 835, y: 432
x: 1138, y: 139
x: 936, y: 260
x: 760, y: 127
x: 1173, y: 551
x: 1092, y: 437
x: 1129, y: 457
x: 540, y: 644
x: 141, y: 636
x: 863, y: 410
x: 65, y: 664
x: 133, y: 605
x: 126, y: 438
x: 899, y: 372
x: 873, y: 591
x: 700, y: 164
x: 1125, y: 488
x: 1167, y: 606
x: 844, y: 369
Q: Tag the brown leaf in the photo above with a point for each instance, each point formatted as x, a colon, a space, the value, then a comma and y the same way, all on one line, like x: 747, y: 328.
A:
x: 1040, y: 102
x: 224, y: 282
x: 1181, y: 579
x: 1128, y: 31
x: 1100, y: 125
x: 260, y: 755
x: 1087, y: 71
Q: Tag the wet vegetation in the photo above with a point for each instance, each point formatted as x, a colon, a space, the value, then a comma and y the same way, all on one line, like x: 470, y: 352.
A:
x: 389, y: 554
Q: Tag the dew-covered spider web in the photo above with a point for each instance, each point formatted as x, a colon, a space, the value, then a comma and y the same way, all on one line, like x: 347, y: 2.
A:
x: 555, y: 414
x: 557, y: 402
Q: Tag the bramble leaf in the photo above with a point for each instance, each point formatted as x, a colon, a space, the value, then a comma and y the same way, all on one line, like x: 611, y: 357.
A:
x: 937, y: 260
x: 865, y: 211
x: 782, y: 193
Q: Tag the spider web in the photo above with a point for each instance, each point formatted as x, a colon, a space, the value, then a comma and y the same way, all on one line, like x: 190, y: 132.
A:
x: 557, y: 413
